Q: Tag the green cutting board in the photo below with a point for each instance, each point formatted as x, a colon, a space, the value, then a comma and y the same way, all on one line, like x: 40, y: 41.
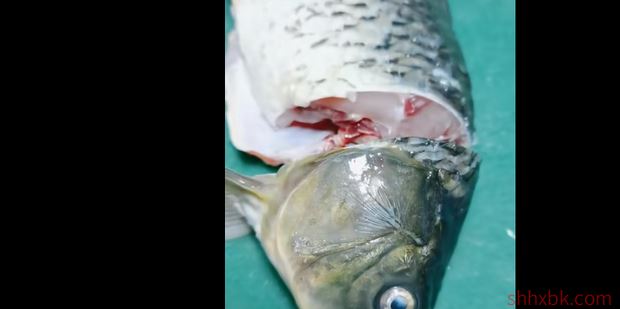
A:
x: 481, y: 273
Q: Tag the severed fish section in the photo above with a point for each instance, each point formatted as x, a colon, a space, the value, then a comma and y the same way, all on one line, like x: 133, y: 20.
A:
x: 304, y: 77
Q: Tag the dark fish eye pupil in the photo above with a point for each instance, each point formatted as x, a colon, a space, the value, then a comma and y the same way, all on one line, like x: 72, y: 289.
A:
x: 399, y: 303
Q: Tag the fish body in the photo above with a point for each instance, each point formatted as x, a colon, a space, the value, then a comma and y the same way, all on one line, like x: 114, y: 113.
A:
x: 365, y: 226
x: 304, y: 77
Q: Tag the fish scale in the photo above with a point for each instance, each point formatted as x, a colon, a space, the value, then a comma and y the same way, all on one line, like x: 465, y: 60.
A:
x: 418, y: 48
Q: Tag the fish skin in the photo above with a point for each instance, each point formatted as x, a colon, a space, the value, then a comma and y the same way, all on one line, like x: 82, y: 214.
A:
x: 344, y: 226
x: 298, y: 51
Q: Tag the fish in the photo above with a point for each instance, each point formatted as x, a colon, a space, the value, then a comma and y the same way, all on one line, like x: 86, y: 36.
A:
x: 304, y: 77
x: 369, y: 225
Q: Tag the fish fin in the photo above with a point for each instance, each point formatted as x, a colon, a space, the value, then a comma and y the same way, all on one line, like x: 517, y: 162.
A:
x: 245, y: 202
x: 235, y: 223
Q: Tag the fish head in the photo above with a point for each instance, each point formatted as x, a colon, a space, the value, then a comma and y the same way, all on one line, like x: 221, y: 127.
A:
x: 374, y: 225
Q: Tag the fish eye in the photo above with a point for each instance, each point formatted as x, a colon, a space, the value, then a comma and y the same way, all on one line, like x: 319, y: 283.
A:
x: 397, y: 298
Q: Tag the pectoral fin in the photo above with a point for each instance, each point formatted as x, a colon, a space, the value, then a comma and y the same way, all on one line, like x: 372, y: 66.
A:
x: 244, y: 203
